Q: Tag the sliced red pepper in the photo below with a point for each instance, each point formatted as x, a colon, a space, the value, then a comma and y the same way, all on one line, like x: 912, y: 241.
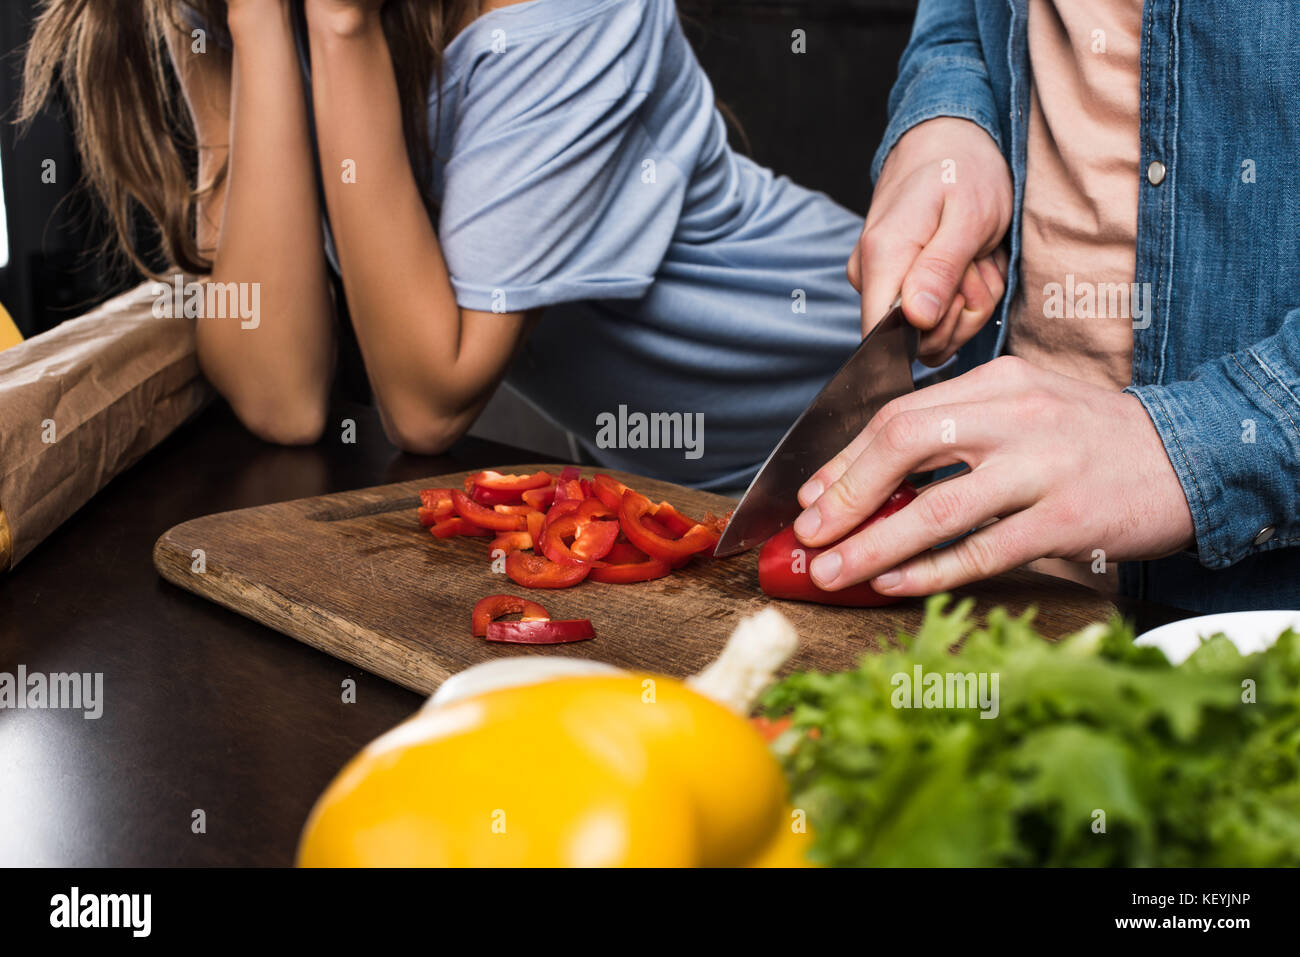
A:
x: 717, y: 523
x: 535, y: 522
x: 608, y: 490
x: 431, y: 516
x: 777, y: 564
x: 625, y: 573
x: 559, y: 510
x: 436, y: 498
x: 673, y: 520
x: 654, y: 525
x: 650, y: 518
x: 451, y: 527
x: 534, y: 571
x: 487, y: 610
x: 541, y: 632
x: 634, y: 507
x: 540, y: 498
x: 508, y: 483
x: 624, y: 553
x: 581, y: 521
x: 514, y: 509
x: 484, y: 517
x: 592, y: 539
x: 568, y: 474
x: 568, y: 491
x: 510, y: 542
x: 494, y: 496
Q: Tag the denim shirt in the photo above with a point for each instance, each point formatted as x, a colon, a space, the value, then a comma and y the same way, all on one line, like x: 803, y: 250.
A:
x: 1216, y: 360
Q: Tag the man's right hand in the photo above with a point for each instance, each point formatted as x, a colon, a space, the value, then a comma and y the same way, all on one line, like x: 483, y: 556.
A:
x: 941, y: 207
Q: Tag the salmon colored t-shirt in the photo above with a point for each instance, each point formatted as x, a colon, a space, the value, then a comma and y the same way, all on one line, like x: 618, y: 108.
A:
x: 1074, y: 313
x: 1075, y: 310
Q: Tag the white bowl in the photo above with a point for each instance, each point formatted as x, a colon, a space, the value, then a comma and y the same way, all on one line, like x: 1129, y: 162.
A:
x: 1250, y: 631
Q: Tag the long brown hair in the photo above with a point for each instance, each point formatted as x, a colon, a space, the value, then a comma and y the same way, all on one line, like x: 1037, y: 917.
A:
x: 132, y: 127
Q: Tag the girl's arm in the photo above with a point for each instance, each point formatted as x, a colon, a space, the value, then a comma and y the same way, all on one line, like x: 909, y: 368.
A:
x: 432, y: 364
x: 263, y: 221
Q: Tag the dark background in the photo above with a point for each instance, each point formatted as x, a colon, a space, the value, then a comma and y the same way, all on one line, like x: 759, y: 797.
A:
x: 816, y: 117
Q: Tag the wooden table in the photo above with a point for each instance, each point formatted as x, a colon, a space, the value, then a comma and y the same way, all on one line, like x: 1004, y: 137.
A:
x: 204, y: 710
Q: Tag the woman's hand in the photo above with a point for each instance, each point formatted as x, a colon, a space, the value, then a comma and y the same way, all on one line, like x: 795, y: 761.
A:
x: 1066, y: 468
x: 938, y: 215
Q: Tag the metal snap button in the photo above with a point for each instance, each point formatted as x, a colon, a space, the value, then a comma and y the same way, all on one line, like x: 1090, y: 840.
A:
x: 1264, y: 534
x: 1156, y: 173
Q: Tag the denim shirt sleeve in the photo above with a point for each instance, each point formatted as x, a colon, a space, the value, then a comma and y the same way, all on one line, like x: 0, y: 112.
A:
x: 942, y: 73
x: 1232, y: 432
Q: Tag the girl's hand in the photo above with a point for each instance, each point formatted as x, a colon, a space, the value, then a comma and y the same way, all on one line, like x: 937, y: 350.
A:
x: 1068, y: 469
x: 933, y: 233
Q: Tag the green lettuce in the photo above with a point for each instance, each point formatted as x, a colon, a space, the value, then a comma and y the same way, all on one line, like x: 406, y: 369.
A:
x: 1101, y: 753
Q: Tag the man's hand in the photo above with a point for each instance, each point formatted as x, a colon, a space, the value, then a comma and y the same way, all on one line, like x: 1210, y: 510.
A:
x: 1065, y: 467
x: 940, y: 210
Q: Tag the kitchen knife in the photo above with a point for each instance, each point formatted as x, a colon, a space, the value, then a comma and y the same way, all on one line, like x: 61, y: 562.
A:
x: 878, y: 371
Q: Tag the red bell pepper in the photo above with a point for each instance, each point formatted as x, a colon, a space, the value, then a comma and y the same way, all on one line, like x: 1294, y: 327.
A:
x: 535, y: 522
x: 783, y: 574
x: 451, y: 527
x: 624, y: 553
x: 541, y: 632
x: 435, y: 505
x: 494, y: 496
x: 592, y: 539
x: 428, y: 516
x: 485, y: 517
x: 625, y: 573
x: 534, y: 571
x: 510, y: 542
x: 540, y: 498
x: 634, y: 507
x: 673, y: 520
x: 608, y: 490
x: 581, y: 521
x: 507, y: 483
x: 570, y: 491
x: 436, y: 498
x: 487, y: 610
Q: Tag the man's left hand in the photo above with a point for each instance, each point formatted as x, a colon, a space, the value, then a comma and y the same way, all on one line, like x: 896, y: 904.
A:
x: 1057, y: 468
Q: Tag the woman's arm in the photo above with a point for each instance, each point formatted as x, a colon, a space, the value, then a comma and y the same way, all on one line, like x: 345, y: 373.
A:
x: 263, y: 222
x: 432, y: 364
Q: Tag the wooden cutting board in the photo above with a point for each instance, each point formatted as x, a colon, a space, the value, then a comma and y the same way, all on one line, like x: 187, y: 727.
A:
x: 355, y: 575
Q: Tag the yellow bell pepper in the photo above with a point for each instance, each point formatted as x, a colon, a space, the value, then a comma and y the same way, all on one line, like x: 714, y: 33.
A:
x: 597, y: 770
x: 9, y: 334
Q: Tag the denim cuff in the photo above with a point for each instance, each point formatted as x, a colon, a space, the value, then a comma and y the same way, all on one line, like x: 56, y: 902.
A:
x: 1232, y: 433
x: 950, y: 85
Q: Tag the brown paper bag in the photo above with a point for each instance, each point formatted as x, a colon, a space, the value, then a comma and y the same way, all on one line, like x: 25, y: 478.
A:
x: 82, y: 402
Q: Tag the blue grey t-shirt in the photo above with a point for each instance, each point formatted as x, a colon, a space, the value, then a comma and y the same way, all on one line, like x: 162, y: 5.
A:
x: 583, y: 166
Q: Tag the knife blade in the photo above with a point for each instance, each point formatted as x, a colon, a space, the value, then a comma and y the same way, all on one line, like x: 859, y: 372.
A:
x: 879, y: 370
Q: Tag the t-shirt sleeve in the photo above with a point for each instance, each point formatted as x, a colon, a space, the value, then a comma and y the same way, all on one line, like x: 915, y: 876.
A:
x: 554, y: 190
